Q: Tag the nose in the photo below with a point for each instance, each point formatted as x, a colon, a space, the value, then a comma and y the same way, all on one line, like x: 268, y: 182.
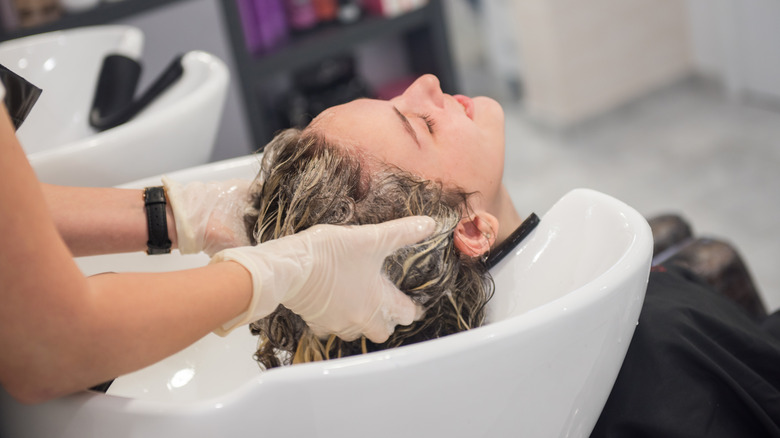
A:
x: 426, y: 89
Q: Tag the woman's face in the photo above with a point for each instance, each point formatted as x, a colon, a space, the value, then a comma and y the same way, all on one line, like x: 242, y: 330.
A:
x: 455, y: 139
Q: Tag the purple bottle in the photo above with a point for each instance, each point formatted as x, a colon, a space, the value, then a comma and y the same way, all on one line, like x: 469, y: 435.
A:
x: 301, y: 14
x: 273, y: 23
x: 264, y: 23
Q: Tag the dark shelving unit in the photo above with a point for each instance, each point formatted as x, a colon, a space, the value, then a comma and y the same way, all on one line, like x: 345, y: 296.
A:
x: 423, y: 32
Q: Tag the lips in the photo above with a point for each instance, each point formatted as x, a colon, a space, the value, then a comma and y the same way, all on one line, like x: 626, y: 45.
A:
x: 467, y: 103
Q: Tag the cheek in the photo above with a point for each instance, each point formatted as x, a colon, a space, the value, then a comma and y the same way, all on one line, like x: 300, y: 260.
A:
x: 467, y: 157
x: 468, y: 171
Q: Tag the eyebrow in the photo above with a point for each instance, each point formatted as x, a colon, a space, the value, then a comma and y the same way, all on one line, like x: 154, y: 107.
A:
x: 407, y: 125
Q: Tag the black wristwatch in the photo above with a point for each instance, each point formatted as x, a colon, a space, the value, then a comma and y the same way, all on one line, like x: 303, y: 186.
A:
x: 156, y: 221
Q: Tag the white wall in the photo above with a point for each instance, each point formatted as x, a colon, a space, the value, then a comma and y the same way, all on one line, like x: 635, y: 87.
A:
x: 581, y: 59
x: 707, y: 39
x: 736, y: 41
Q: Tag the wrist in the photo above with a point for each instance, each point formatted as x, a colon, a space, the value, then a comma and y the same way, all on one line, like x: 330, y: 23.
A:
x: 261, y: 303
x: 240, y: 287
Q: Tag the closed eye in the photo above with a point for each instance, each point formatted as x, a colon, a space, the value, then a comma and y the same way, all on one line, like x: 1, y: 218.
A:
x: 429, y: 122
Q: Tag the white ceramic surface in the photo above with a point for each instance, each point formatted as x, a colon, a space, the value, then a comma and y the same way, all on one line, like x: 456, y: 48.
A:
x: 567, y: 302
x: 177, y: 131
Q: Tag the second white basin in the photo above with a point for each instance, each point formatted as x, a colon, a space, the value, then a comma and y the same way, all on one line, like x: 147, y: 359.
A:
x: 176, y: 131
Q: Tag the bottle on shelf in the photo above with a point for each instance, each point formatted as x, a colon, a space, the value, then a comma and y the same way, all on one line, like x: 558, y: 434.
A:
x: 326, y: 10
x: 301, y: 14
x: 29, y: 13
x: 349, y: 11
x: 9, y: 20
x: 264, y: 23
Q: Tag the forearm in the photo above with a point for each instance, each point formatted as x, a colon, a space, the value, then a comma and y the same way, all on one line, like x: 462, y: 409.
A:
x: 149, y: 316
x: 101, y: 220
x: 125, y: 322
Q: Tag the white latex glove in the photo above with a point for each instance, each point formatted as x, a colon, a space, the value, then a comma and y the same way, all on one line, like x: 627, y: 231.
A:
x: 331, y: 276
x: 209, y: 216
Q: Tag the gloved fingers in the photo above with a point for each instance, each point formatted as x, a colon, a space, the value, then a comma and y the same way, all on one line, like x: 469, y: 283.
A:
x: 320, y: 332
x: 226, y: 227
x: 346, y: 292
x: 347, y: 334
x: 378, y: 239
x: 396, y: 309
x: 220, y: 236
x: 398, y: 233
x: 230, y: 191
x: 399, y: 307
x: 236, y: 185
x: 350, y: 332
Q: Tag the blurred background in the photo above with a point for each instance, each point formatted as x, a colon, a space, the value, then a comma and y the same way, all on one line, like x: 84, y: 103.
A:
x: 672, y: 106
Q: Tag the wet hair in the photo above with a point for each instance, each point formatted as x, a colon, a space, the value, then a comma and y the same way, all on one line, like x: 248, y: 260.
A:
x: 304, y: 181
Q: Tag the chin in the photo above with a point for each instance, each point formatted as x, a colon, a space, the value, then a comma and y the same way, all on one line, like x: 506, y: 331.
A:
x: 488, y: 112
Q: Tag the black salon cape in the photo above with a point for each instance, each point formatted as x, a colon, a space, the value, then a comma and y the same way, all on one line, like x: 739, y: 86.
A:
x: 697, y: 366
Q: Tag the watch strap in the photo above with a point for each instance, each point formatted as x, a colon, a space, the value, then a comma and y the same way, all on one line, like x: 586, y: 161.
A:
x: 156, y: 221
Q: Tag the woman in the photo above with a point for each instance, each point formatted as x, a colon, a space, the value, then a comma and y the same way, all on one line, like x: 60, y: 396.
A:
x: 345, y: 169
x: 697, y: 365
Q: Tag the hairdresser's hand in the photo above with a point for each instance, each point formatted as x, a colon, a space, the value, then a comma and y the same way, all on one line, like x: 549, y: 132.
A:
x: 209, y: 216
x: 331, y: 276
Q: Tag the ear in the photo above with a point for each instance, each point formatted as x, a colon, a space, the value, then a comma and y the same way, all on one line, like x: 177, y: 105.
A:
x: 475, y: 235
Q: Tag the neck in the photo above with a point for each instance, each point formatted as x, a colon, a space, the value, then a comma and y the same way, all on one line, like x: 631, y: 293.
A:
x: 506, y: 213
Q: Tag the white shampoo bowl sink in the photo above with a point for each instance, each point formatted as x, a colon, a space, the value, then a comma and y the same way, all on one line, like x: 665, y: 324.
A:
x: 176, y: 131
x: 566, y: 304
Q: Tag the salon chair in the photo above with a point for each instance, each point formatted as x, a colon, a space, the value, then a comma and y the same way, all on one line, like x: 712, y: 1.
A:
x: 566, y: 304
x: 175, y: 130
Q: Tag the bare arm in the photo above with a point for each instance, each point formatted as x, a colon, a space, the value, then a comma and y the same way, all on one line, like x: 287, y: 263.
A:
x: 63, y: 332
x: 96, y: 221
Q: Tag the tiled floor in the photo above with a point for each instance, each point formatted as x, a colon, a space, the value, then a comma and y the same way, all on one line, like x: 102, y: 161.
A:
x: 684, y: 149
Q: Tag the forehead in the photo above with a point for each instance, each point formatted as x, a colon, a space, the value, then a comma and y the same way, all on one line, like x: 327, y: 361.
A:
x: 362, y: 122
x: 360, y: 110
